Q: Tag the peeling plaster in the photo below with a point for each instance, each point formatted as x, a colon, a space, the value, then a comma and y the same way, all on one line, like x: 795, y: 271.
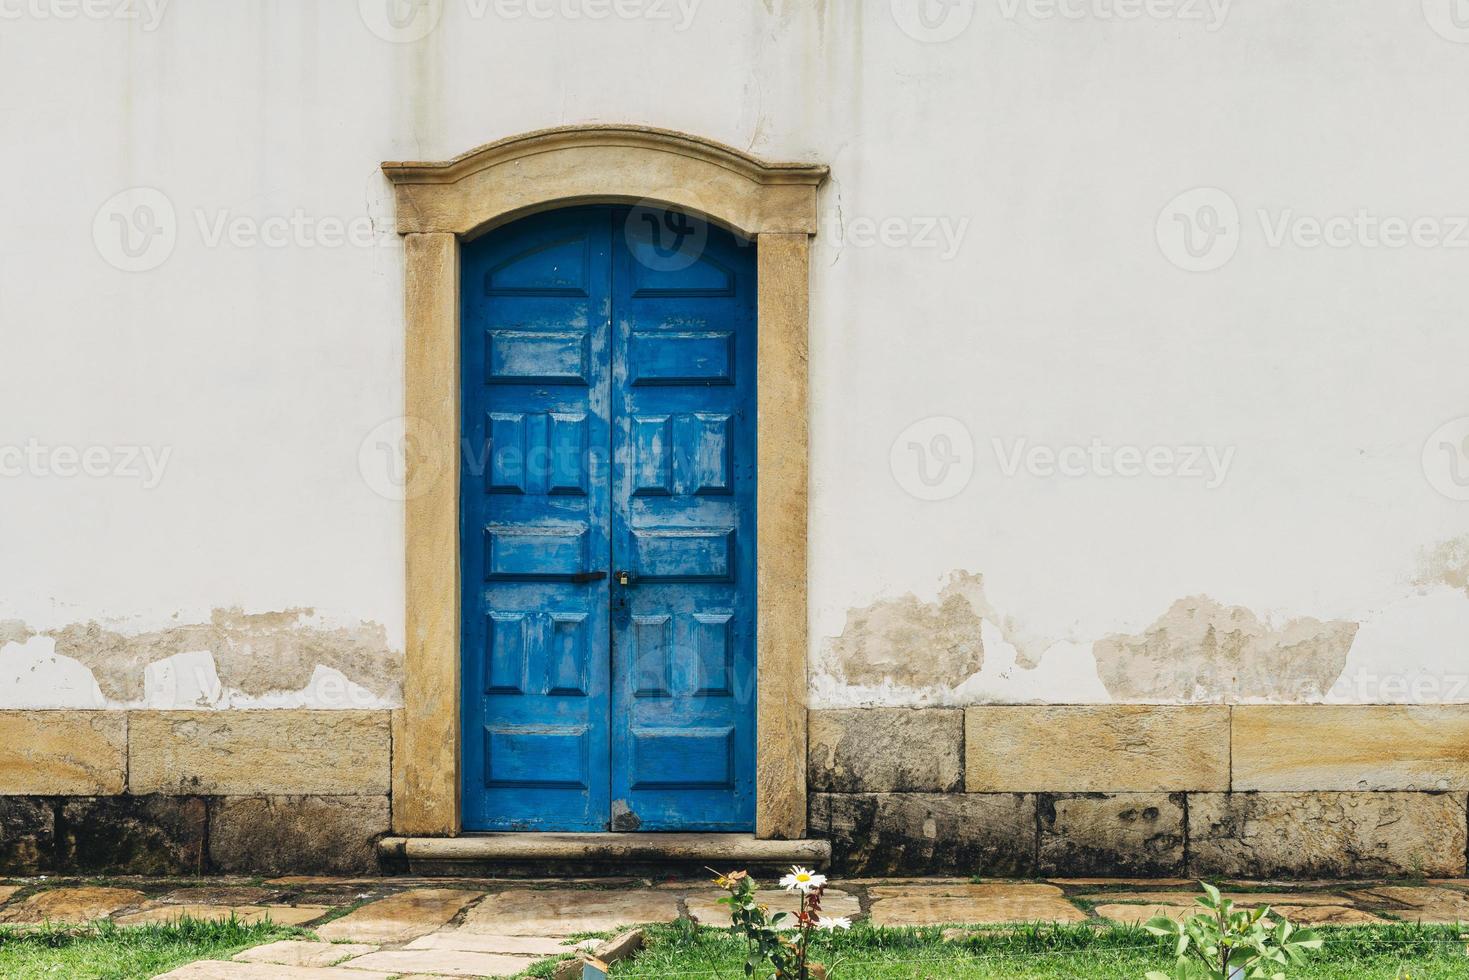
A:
x: 237, y: 660
x: 910, y: 643
x: 1202, y: 650
x: 1444, y: 564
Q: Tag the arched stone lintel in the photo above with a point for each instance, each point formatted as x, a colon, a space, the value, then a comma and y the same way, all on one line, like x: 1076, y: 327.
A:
x: 500, y: 181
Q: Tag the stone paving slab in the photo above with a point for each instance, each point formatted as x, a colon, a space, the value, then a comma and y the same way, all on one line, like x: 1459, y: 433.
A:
x: 222, y: 895
x: 401, y: 917
x: 228, y: 970
x: 704, y: 907
x: 6, y: 891
x: 440, y: 962
x: 281, y: 915
x: 561, y: 912
x: 1250, y: 899
x: 925, y: 905
x: 1153, y: 883
x: 70, y: 906
x: 471, y: 942
x: 1422, y: 904
x: 294, y: 952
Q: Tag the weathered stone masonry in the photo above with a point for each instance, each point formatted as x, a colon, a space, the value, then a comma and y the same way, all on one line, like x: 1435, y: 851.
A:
x: 1302, y: 790
x: 190, y: 792
x: 1256, y: 791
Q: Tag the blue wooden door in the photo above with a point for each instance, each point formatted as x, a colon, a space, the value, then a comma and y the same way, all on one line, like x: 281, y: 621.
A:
x: 608, y: 524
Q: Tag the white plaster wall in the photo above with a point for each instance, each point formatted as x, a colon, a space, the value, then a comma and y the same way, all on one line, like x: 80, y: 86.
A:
x: 1048, y: 146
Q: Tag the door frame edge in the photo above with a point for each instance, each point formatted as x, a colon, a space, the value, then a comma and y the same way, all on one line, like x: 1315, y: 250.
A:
x: 442, y: 204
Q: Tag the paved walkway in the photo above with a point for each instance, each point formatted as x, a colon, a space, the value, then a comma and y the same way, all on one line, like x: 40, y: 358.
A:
x: 377, y: 928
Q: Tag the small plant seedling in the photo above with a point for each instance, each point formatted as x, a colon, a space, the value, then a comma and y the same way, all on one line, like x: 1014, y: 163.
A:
x: 1224, y: 944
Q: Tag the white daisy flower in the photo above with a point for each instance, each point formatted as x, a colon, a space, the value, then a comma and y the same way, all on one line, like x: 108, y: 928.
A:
x: 802, y: 879
x: 834, y: 922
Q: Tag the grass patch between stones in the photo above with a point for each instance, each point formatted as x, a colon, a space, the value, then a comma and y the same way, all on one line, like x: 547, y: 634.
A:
x: 106, y: 951
x: 1043, y: 952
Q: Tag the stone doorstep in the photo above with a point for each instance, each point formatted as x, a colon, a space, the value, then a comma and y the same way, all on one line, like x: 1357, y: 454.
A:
x: 607, y: 849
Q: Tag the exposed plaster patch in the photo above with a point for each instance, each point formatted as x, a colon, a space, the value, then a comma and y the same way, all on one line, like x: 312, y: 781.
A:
x: 1202, y: 650
x: 237, y: 659
x: 910, y: 643
x: 1445, y: 564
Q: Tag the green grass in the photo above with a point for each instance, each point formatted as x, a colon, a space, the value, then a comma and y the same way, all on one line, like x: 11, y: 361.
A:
x: 104, y: 951
x: 1048, y: 952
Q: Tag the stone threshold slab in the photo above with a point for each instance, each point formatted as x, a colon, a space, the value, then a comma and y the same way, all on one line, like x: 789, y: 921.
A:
x: 607, y: 848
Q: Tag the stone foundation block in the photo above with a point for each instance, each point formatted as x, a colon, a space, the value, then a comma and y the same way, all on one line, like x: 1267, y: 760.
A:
x: 259, y: 753
x: 131, y: 835
x: 291, y: 834
x: 895, y: 833
x: 27, y: 835
x: 1095, y: 748
x: 1130, y: 835
x: 886, y: 750
x: 62, y: 753
x: 1351, y: 747
x: 1326, y: 835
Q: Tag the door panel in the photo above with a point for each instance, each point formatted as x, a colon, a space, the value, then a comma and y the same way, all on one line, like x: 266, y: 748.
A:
x: 534, y: 513
x: 608, y: 417
x: 683, y: 525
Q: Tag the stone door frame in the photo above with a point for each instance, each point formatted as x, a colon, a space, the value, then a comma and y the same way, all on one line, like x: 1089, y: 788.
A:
x: 439, y: 206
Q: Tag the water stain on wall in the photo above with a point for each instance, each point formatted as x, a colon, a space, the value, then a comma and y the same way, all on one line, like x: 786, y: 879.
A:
x: 1202, y: 650
x: 911, y: 643
x: 256, y: 653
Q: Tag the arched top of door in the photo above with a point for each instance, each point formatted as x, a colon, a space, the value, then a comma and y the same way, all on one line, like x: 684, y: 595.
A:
x: 552, y: 168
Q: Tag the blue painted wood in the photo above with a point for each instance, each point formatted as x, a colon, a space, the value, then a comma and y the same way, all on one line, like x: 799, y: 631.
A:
x: 609, y: 423
x: 683, y: 525
x: 534, y: 512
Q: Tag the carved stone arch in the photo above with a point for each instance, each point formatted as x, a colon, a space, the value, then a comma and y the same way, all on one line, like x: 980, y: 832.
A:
x: 440, y: 205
